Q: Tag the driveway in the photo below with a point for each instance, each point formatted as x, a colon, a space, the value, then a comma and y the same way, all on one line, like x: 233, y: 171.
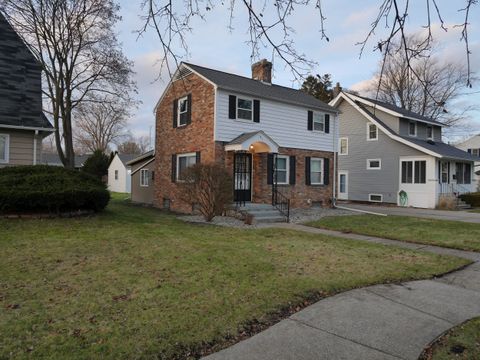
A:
x: 376, y: 322
x: 464, y: 216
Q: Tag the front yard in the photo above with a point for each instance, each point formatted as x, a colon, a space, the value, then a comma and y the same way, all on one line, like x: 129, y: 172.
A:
x: 134, y: 282
x: 453, y: 234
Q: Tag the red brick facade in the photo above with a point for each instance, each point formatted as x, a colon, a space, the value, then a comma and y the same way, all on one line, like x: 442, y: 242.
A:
x: 198, y: 136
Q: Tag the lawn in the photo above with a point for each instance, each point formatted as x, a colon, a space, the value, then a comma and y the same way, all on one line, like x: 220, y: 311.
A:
x: 453, y: 234
x: 134, y: 282
x: 462, y: 342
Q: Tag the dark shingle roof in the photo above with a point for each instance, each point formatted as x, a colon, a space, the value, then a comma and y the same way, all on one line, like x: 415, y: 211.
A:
x: 54, y: 160
x: 445, y: 150
x: 125, y: 158
x: 404, y: 112
x: 147, y: 155
x: 252, y: 87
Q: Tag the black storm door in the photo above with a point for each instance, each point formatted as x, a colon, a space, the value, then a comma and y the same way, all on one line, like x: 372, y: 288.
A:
x: 242, y: 177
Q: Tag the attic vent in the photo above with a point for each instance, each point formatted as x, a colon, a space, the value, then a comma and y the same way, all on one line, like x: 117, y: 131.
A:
x: 182, y: 72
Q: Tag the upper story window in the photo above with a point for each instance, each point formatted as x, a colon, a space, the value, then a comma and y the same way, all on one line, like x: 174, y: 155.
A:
x: 144, y: 177
x: 182, y: 111
x: 282, y: 169
x: 343, y: 146
x: 4, y: 148
x: 474, y: 152
x: 318, y: 122
x: 429, y: 132
x: 316, y: 171
x: 372, y: 132
x: 412, y: 128
x: 116, y: 174
x: 184, y: 161
x: 244, y: 109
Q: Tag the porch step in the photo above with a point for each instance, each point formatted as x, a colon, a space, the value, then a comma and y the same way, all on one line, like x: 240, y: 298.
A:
x: 462, y: 205
x: 263, y: 213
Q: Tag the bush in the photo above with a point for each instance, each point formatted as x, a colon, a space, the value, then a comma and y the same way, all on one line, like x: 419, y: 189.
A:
x: 473, y: 199
x: 52, y: 189
x: 97, y: 164
x: 209, y: 186
x: 447, y: 203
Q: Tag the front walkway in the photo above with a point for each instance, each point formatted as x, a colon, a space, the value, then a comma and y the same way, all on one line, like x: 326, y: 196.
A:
x: 454, y: 215
x: 376, y: 322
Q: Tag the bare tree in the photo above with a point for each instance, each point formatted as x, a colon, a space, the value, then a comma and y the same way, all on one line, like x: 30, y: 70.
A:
x: 75, y: 42
x: 134, y: 145
x: 99, y: 124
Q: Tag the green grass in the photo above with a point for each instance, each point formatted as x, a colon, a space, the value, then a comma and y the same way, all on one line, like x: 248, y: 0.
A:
x: 452, y: 234
x: 475, y: 211
x: 134, y: 282
x: 462, y: 342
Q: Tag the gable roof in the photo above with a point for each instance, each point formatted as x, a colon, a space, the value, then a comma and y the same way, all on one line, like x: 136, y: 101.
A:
x: 144, y: 156
x: 445, y: 150
x: 248, y: 86
x: 125, y: 158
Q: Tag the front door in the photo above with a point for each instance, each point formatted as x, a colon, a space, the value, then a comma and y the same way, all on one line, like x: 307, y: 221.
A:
x: 343, y: 185
x: 242, y: 177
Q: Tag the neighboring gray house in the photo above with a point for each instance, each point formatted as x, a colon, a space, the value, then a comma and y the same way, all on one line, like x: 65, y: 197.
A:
x: 22, y: 122
x: 472, y: 146
x: 392, y: 155
x: 142, y: 177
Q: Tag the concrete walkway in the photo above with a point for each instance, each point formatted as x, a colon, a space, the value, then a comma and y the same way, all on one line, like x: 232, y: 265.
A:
x: 459, y: 215
x: 376, y: 322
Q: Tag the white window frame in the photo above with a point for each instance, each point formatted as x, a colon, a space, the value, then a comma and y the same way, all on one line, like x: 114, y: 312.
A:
x: 368, y: 132
x: 7, y: 149
x: 369, y: 167
x: 321, y: 171
x: 476, y: 152
x: 430, y: 137
x: 179, y: 113
x: 340, y: 146
x: 178, y: 163
x: 239, y: 108
x: 144, y: 178
x: 416, y: 126
x: 321, y: 121
x: 413, y: 161
x: 287, y: 168
x: 376, y: 201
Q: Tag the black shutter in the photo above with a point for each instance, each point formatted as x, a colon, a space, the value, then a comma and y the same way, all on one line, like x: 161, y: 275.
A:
x: 310, y: 120
x: 327, y: 123
x: 326, y: 171
x: 189, y: 108
x: 256, y: 111
x: 269, y: 168
x: 174, y: 167
x: 293, y: 171
x: 307, y: 170
x: 198, y: 158
x: 232, y: 107
x: 175, y: 109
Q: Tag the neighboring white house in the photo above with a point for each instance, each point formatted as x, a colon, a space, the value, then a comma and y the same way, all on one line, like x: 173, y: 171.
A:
x: 472, y: 146
x: 119, y: 173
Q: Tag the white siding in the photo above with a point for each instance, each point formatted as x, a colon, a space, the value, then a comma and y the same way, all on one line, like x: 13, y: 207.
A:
x: 122, y: 184
x: 285, y: 124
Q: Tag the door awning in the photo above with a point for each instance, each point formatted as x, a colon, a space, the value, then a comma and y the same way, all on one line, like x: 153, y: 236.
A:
x: 255, y: 142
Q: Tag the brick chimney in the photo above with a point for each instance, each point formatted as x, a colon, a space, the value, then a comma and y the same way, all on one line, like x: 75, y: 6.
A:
x: 262, y: 71
x: 337, y: 90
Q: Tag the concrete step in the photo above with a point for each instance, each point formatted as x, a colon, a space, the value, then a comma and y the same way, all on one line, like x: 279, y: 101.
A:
x: 263, y: 213
x: 266, y: 212
x: 269, y: 219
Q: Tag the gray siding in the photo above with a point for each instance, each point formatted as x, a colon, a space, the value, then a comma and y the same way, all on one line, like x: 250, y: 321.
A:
x: 21, y: 147
x: 142, y: 194
x: 421, y: 130
x: 389, y: 120
x: 362, y: 182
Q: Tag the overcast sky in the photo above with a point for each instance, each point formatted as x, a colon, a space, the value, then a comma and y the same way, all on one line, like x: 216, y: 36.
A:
x: 211, y: 44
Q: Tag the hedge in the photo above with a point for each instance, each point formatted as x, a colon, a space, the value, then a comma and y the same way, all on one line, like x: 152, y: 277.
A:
x: 473, y: 199
x: 50, y: 189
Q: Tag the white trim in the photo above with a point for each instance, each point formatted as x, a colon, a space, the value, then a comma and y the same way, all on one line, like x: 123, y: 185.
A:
x: 368, y: 131
x: 369, y: 167
x: 322, y: 115
x: 238, y: 108
x: 321, y: 171
x: 142, y: 184
x: 7, y: 149
x: 180, y: 113
x: 415, y: 132
x: 141, y: 167
x: 287, y: 168
x: 344, y: 195
x: 258, y: 137
x: 340, y: 146
x: 377, y: 201
x: 26, y: 128
x: 186, y: 155
x: 35, y: 147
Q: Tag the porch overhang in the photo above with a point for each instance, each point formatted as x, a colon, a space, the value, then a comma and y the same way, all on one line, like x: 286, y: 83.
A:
x: 255, y: 142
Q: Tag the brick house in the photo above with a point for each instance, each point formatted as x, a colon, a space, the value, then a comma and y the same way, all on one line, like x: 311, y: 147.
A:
x: 271, y: 138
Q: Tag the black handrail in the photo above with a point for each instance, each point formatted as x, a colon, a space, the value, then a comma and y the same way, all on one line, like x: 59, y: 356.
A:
x: 281, y: 203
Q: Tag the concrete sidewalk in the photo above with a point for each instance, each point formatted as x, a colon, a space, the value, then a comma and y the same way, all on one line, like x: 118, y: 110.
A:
x: 464, y: 216
x: 376, y: 322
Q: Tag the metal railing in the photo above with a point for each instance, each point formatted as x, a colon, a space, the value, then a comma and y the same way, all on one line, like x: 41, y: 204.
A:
x: 453, y: 189
x: 281, y: 203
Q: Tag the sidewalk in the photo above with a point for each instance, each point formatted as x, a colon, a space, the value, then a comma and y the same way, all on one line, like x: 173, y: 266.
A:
x: 376, y: 322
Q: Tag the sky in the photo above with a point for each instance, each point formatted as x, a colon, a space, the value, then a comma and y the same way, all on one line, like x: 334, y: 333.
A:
x: 213, y: 45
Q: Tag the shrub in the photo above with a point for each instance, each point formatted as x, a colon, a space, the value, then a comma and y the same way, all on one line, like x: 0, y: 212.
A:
x: 447, y: 203
x: 51, y: 189
x: 97, y: 164
x: 209, y: 186
x: 473, y: 199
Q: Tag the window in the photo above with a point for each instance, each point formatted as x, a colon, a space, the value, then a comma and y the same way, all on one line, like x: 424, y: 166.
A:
x: 444, y: 170
x: 316, y: 171
x: 282, y: 169
x: 343, y: 183
x: 430, y: 132
x: 412, y: 128
x: 4, y: 147
x: 343, y: 146
x: 318, y: 122
x: 475, y: 152
x: 372, y: 132
x: 184, y: 161
x: 244, y: 109
x: 414, y: 172
x: 182, y: 111
x: 463, y: 173
x: 144, y: 176
x: 116, y: 174
x: 375, y: 197
x: 374, y: 164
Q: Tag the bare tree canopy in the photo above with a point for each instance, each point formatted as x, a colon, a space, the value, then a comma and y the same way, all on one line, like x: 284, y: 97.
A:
x: 134, y: 145
x: 75, y: 42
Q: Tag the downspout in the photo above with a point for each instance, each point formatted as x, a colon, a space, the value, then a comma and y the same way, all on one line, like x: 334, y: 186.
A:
x: 35, y: 147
